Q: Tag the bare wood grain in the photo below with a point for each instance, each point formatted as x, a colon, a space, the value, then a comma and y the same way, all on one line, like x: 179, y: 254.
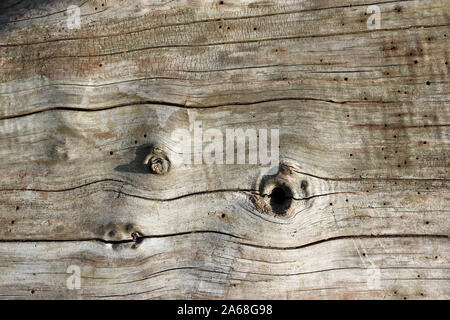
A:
x: 364, y: 147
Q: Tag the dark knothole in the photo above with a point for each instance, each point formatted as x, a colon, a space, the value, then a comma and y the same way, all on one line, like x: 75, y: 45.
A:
x: 280, y: 200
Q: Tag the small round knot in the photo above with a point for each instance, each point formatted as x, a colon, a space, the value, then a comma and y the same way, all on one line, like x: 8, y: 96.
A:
x: 157, y: 161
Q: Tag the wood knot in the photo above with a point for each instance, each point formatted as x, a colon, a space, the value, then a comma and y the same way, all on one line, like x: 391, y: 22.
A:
x: 276, y: 198
x: 157, y: 161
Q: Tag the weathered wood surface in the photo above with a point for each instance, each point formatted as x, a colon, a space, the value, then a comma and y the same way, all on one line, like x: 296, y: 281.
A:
x: 364, y: 147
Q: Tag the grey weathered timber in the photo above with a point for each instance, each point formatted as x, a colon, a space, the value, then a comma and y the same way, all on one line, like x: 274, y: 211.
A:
x: 363, y: 117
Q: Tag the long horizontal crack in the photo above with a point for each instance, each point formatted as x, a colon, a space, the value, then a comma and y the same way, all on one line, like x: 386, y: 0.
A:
x: 365, y: 178
x: 179, y: 105
x: 436, y: 236
x: 136, y: 238
x: 129, y: 194
x: 141, y: 238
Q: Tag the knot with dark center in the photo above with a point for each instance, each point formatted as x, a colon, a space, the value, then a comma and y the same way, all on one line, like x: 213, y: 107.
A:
x: 157, y: 161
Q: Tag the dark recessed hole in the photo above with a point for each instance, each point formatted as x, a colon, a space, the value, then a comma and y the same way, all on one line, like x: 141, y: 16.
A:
x: 416, y: 62
x: 220, y: 2
x: 223, y: 215
x: 145, y: 135
x: 428, y: 83
x: 111, y: 153
x: 280, y: 199
x: 13, y: 221
x: 278, y: 196
x: 135, y: 141
x: 17, y: 208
